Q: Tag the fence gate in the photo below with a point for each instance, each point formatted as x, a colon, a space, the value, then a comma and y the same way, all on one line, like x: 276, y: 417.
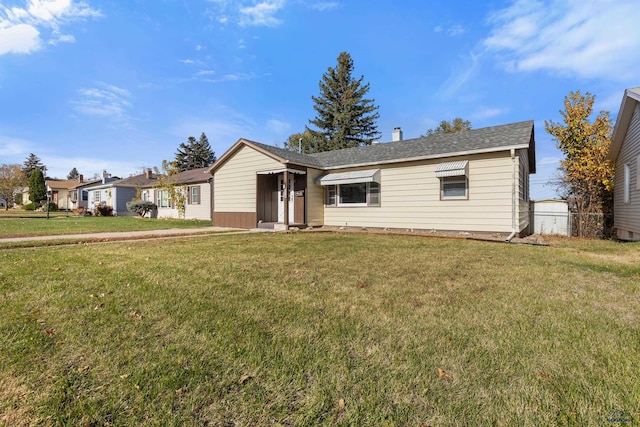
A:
x: 550, y: 217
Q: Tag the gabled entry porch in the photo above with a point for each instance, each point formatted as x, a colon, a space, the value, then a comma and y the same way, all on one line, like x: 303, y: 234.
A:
x: 281, y: 198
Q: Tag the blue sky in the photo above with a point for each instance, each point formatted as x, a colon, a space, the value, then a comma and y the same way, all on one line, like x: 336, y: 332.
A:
x: 118, y: 85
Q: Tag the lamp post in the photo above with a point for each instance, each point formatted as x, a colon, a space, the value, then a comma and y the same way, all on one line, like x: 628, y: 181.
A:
x: 48, y: 199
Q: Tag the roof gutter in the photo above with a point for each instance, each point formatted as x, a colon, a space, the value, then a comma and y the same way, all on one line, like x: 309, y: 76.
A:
x: 513, y: 197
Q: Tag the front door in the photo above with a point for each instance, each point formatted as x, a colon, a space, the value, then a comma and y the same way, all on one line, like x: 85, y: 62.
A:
x: 281, y: 199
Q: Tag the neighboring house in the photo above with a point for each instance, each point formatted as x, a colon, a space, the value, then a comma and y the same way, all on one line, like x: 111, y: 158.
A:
x: 117, y: 192
x: 625, y: 153
x: 67, y: 194
x: 78, y: 195
x: 476, y: 180
x: 196, y: 185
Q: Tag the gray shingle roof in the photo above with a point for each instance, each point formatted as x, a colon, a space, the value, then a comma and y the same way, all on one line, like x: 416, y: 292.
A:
x: 136, y: 181
x: 291, y: 156
x: 494, y: 138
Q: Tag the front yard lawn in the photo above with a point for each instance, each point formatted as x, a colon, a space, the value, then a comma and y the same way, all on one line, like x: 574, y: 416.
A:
x: 320, y: 329
x: 55, y: 225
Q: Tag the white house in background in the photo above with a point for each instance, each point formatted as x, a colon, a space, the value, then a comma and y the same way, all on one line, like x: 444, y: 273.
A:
x: 476, y: 180
x: 117, y: 192
x: 197, y: 185
x: 625, y: 153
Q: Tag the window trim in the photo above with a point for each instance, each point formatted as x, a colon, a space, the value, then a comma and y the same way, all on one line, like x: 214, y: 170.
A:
x: 456, y: 180
x: 190, y: 192
x: 162, y: 199
x: 627, y: 183
x: 332, y: 192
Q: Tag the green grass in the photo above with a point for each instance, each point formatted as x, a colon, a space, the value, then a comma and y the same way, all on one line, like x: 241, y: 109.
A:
x: 39, y: 226
x: 320, y: 329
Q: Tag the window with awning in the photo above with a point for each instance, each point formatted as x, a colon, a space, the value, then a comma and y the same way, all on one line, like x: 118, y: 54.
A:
x: 458, y: 168
x: 454, y: 181
x: 353, y: 188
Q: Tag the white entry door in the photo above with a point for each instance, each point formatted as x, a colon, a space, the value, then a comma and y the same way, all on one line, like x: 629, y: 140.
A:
x: 281, y: 199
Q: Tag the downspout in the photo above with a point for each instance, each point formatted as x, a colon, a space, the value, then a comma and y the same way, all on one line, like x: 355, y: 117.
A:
x: 513, y: 197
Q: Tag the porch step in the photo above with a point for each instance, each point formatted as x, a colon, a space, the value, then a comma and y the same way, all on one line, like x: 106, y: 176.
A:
x: 267, y: 225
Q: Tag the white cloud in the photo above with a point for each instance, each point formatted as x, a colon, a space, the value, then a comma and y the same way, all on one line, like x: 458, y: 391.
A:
x: 452, y: 31
x: 13, y: 147
x: 21, y: 27
x: 456, y: 30
x: 63, y: 38
x: 459, y: 76
x: 278, y: 126
x: 261, y: 14
x: 549, y: 161
x: 19, y: 38
x: 106, y: 101
x: 326, y: 5
x: 487, y: 113
x: 587, y: 39
x: 59, y: 166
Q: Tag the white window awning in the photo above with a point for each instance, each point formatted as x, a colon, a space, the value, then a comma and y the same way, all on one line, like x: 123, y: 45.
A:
x: 353, y: 177
x: 459, y: 168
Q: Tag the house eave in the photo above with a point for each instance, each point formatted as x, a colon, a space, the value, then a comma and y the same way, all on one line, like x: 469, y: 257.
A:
x: 629, y: 100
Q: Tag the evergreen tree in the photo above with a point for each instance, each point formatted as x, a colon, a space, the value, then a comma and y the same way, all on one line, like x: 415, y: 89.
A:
x: 194, y: 154
x: 73, y: 174
x: 306, y: 142
x: 32, y: 163
x: 345, y: 118
x: 455, y: 125
x: 37, y: 187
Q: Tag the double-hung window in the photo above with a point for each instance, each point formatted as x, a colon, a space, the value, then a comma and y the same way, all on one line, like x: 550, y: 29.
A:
x: 163, y: 199
x: 194, y: 195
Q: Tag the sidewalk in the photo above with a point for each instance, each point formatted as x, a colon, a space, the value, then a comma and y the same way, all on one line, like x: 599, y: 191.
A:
x: 134, y: 235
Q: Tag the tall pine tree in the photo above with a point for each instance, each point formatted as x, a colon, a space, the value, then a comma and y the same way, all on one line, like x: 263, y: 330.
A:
x: 73, y: 174
x: 32, y: 163
x: 345, y: 118
x: 194, y: 154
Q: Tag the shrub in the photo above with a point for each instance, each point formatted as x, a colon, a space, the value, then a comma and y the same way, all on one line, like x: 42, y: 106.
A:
x: 18, y: 199
x: 29, y: 206
x: 104, y: 210
x: 52, y: 207
x: 141, y: 207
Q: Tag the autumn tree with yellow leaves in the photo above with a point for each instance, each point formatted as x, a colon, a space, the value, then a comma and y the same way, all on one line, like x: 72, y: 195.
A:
x: 586, y: 176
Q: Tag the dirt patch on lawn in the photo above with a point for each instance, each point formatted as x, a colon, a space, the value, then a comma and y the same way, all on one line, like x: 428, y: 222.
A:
x: 467, y: 235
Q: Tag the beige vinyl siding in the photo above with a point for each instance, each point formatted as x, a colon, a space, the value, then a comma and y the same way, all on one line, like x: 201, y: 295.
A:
x: 235, y: 181
x: 523, y: 189
x: 410, y: 198
x: 627, y: 215
x: 314, y: 198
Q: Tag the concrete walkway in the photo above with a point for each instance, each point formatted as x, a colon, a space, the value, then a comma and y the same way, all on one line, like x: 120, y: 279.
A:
x: 134, y: 235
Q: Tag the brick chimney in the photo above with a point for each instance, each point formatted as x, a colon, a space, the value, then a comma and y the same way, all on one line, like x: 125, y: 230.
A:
x: 396, y: 135
x: 81, y: 178
x: 148, y: 173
